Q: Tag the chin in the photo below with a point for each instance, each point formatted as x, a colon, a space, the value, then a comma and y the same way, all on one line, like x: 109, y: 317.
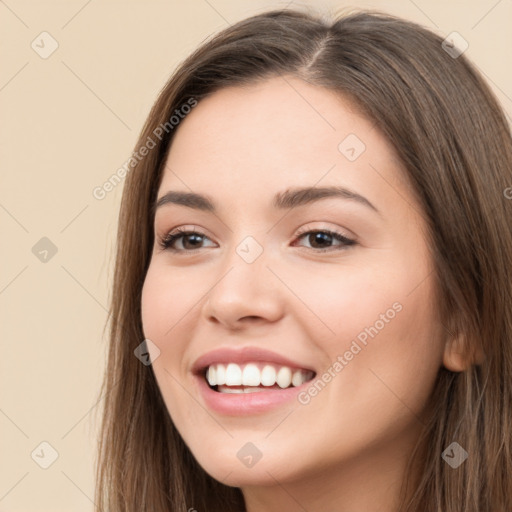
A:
x: 230, y: 471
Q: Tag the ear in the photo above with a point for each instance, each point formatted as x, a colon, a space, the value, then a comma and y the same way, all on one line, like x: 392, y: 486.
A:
x: 458, y: 357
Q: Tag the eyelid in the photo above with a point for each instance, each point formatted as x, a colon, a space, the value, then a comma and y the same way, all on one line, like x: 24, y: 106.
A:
x: 185, y: 228
x: 180, y: 232
x: 342, y: 231
x: 345, y: 241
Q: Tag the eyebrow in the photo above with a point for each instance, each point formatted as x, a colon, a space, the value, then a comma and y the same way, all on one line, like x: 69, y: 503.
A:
x: 290, y: 198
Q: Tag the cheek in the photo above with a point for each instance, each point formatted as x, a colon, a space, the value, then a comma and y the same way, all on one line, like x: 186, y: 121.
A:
x: 382, y: 324
x: 153, y: 307
x: 166, y: 298
x: 336, y: 303
x: 399, y: 353
x: 169, y: 311
x: 163, y: 304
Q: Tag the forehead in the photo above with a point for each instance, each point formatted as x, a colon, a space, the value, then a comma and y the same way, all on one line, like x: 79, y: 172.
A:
x: 274, y: 134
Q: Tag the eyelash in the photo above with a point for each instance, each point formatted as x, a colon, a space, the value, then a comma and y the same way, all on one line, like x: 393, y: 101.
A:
x: 166, y: 242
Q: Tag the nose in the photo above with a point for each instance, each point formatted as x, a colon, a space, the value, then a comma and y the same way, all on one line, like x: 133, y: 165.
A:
x: 244, y: 293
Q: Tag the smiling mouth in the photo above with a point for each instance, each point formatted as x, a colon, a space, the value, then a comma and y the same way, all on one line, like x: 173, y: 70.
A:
x: 254, y: 377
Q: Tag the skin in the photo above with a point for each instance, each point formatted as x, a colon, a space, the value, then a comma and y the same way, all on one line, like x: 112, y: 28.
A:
x: 347, y: 448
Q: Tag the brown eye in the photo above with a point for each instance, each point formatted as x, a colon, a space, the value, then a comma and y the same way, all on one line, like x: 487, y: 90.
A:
x: 190, y: 240
x: 320, y: 240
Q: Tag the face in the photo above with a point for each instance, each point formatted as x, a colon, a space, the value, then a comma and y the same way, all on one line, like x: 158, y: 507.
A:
x: 341, y: 285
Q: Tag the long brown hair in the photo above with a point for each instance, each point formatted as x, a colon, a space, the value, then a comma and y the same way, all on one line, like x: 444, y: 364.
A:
x: 455, y: 143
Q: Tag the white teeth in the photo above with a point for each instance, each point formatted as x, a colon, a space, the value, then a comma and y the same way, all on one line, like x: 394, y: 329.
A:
x: 268, y: 376
x: 284, y: 377
x: 297, y: 378
x: 220, y: 374
x: 251, y: 375
x: 211, y: 376
x: 227, y: 389
x: 251, y: 390
x: 254, y: 375
x: 233, y: 375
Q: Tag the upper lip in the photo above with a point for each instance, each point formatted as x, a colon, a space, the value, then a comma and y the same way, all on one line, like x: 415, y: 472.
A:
x: 244, y: 355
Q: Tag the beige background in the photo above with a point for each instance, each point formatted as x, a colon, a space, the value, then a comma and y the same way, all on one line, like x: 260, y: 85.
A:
x: 68, y: 123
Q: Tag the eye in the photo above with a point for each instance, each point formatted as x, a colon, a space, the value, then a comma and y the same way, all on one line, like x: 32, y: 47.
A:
x: 325, y: 236
x: 191, y: 238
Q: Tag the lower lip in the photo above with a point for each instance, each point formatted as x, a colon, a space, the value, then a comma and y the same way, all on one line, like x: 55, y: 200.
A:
x: 240, y: 404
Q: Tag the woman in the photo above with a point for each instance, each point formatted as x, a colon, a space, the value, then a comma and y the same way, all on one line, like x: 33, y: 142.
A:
x: 314, y: 254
